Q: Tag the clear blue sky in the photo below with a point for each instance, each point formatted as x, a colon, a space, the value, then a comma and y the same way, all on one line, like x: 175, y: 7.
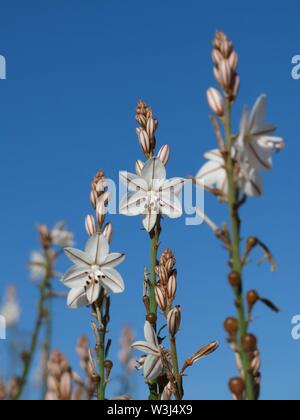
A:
x: 75, y: 70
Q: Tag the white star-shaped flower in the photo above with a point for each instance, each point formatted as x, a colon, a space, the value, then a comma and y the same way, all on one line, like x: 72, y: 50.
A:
x: 153, y: 365
x: 151, y: 194
x: 94, y: 269
x: 214, y: 174
x: 256, y: 140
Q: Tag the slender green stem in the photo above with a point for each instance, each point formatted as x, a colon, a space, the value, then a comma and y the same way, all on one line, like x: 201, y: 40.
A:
x: 175, y: 363
x: 36, y: 332
x: 154, y: 237
x: 47, y: 344
x: 237, y: 265
x: 101, y: 361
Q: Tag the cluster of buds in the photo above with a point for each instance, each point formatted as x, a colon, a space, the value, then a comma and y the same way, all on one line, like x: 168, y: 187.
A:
x: 99, y: 197
x: 165, y: 291
x: 146, y: 131
x: 9, y: 391
x: 225, y: 61
x: 59, y: 378
x: 57, y: 236
x: 84, y: 354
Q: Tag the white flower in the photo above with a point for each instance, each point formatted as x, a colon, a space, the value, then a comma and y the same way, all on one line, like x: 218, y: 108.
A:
x: 153, y: 365
x: 37, y: 265
x: 61, y: 236
x: 151, y: 194
x: 10, y: 309
x: 213, y: 173
x: 94, y: 269
x: 256, y: 140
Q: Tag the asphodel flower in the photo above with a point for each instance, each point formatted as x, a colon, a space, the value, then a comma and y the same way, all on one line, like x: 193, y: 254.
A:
x: 151, y: 194
x: 256, y: 141
x: 153, y: 365
x: 94, y: 269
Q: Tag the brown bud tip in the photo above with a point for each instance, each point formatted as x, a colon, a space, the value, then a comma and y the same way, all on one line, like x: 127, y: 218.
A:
x: 249, y: 343
x: 234, y: 279
x: 252, y: 242
x: 237, y: 386
x: 231, y: 326
x: 252, y: 297
x: 108, y: 364
x: 152, y: 318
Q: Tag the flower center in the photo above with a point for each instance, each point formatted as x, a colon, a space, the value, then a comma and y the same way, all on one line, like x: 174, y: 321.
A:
x: 95, y: 276
x: 153, y: 201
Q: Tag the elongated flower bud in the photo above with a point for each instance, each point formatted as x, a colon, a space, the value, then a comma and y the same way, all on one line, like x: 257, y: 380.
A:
x: 100, y: 212
x: 65, y: 386
x: 233, y: 61
x: 216, y: 57
x: 162, y: 273
x: 215, y: 101
x: 160, y: 298
x: 225, y: 75
x: 90, y: 225
x: 139, y: 165
x: 172, y: 287
x: 144, y: 140
x: 151, y: 127
x: 94, y: 198
x: 108, y: 232
x: 174, y: 320
x: 164, y: 154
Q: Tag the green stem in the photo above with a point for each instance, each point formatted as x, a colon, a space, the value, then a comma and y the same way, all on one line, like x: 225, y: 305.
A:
x: 154, y: 237
x: 175, y: 363
x: 101, y: 361
x: 47, y: 345
x: 237, y: 265
x: 35, y: 336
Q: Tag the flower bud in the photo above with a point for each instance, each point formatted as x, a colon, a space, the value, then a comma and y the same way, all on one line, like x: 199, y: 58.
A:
x: 65, y: 386
x: 225, y: 75
x: 234, y: 279
x: 100, y: 212
x: 139, y: 165
x: 237, y: 387
x: 233, y: 61
x: 108, y: 365
x: 151, y: 127
x: 236, y: 87
x: 231, y: 326
x: 252, y: 299
x: 160, y: 297
x: 144, y: 140
x: 94, y: 198
x: 172, y: 287
x: 108, y: 232
x: 164, y: 154
x: 174, y: 320
x: 163, y: 275
x: 216, y: 57
x: 215, y: 101
x: 249, y: 343
x: 90, y: 225
x: 152, y: 318
x: 45, y: 235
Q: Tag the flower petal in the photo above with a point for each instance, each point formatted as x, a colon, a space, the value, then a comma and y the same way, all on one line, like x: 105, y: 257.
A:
x: 153, y: 368
x: 133, y: 182
x: 97, y: 249
x: 212, y: 173
x: 145, y: 348
x: 149, y: 220
x: 75, y: 277
x: 77, y: 298
x: 150, y: 334
x: 215, y: 155
x: 78, y: 257
x: 170, y: 205
x: 257, y: 124
x: 113, y: 260
x: 93, y: 292
x: 154, y: 173
x: 173, y: 184
x: 113, y: 280
x: 133, y: 204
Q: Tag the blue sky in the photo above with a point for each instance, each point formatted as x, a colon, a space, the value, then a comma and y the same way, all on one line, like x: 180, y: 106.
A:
x: 75, y: 70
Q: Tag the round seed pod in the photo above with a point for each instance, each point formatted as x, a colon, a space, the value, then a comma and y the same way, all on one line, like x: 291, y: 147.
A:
x: 152, y: 318
x: 234, y: 279
x: 231, y: 326
x: 237, y: 386
x: 249, y: 343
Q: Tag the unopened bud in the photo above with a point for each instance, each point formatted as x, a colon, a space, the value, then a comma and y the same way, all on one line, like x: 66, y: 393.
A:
x: 144, y: 140
x: 237, y: 387
x: 152, y: 318
x: 65, y: 386
x: 233, y: 61
x: 108, y: 232
x: 234, y: 279
x: 231, y: 326
x: 90, y: 225
x: 172, y: 287
x: 249, y: 343
x: 139, y: 165
x: 160, y: 297
x: 236, y: 87
x: 108, y: 365
x: 215, y: 101
x: 164, y: 154
x: 216, y: 57
x: 45, y: 236
x: 100, y: 212
x: 225, y: 75
x: 94, y: 198
x: 163, y: 275
x: 174, y: 320
x: 151, y: 127
x: 252, y: 299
